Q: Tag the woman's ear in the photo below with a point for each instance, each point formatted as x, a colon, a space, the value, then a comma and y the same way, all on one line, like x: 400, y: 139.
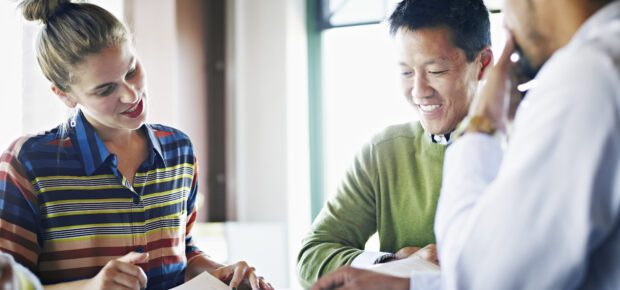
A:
x: 486, y: 60
x: 64, y: 97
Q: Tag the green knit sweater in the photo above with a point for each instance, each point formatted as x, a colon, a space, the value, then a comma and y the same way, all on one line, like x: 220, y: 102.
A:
x: 392, y: 187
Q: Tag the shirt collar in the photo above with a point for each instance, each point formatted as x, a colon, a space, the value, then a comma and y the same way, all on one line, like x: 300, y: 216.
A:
x: 92, y: 149
x: 442, y: 139
x: 154, y: 144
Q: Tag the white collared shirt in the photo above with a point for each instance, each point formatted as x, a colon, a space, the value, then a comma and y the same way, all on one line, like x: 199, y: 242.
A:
x: 544, y: 213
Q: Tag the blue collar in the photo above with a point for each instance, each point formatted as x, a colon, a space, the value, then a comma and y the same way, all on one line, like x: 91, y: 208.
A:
x: 92, y: 149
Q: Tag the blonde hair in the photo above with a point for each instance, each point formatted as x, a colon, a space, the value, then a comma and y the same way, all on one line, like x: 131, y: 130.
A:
x: 70, y: 32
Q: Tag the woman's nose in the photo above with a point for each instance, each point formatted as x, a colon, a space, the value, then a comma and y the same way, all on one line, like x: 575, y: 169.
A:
x: 130, y: 94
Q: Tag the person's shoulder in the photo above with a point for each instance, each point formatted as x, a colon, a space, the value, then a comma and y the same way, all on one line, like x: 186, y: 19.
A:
x: 398, y: 132
x: 41, y: 142
x: 167, y: 134
x: 593, y: 55
x: 585, y: 70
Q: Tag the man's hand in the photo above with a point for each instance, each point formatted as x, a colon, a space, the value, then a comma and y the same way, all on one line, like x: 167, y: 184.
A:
x: 496, y: 100
x: 428, y: 253
x: 348, y: 278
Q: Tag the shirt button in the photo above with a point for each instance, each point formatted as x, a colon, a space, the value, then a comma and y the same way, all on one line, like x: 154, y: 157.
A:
x: 136, y: 200
x: 140, y: 249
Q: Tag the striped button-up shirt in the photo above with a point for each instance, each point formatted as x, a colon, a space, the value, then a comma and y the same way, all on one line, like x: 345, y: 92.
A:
x: 66, y: 209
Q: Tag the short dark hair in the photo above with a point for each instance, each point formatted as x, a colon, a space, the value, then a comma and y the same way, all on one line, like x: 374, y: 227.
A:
x: 467, y: 20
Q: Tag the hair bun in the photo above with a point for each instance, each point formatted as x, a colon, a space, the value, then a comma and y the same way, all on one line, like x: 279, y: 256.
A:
x: 41, y: 9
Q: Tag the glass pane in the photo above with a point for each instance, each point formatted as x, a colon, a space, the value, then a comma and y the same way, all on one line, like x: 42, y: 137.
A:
x: 347, y: 12
x: 361, y: 94
x: 350, y: 12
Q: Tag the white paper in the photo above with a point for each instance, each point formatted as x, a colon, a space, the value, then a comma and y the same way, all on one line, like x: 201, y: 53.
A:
x: 403, y: 268
x: 203, y: 281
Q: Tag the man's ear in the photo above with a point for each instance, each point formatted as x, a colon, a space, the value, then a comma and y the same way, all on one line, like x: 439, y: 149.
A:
x: 485, y: 59
x: 64, y: 97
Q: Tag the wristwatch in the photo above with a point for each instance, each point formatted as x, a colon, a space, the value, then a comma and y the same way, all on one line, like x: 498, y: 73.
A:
x: 385, y: 258
x: 481, y: 124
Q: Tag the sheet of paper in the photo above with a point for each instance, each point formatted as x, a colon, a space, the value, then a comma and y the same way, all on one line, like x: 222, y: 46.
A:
x: 203, y: 281
x: 403, y: 268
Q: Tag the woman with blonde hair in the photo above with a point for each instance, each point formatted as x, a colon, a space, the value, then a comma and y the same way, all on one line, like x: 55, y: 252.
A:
x: 105, y: 200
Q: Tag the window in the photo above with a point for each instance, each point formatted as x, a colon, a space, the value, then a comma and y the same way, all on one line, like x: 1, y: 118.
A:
x: 358, y: 93
x: 341, y: 13
x: 361, y: 94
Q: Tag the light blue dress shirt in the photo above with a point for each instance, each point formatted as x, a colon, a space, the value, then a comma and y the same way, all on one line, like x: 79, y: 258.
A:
x: 545, y: 212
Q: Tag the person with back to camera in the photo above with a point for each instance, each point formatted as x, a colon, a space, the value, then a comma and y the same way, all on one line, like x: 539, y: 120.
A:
x: 103, y: 201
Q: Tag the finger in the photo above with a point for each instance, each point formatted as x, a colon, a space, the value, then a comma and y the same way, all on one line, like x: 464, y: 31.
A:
x: 431, y: 247
x: 264, y: 284
x: 427, y: 253
x: 135, y: 258
x: 239, y: 274
x: 132, y: 270
x: 126, y: 281
x: 410, y: 250
x: 253, y: 279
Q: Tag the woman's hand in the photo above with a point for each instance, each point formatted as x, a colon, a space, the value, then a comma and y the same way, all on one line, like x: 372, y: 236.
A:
x: 239, y: 274
x: 122, y: 273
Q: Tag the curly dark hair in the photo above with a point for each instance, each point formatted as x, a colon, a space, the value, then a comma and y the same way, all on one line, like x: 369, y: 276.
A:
x: 467, y: 20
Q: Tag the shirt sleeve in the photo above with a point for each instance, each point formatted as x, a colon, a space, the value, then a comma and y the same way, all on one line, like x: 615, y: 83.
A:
x: 191, y: 250
x: 534, y: 223
x: 343, y: 226
x: 18, y: 210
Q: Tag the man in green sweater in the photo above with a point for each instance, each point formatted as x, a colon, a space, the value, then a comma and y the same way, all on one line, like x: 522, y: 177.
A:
x: 393, y: 185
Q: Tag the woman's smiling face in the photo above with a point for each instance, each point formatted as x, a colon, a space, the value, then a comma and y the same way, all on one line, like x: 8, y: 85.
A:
x: 110, y: 88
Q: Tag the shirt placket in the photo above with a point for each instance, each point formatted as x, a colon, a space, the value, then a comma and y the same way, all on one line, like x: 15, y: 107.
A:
x: 138, y: 211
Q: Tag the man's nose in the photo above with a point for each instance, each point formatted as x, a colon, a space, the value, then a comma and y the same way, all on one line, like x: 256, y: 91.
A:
x: 421, y: 87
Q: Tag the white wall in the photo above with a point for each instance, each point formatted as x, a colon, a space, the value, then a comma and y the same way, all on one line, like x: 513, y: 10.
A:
x: 41, y: 109
x: 260, y: 110
x: 10, y: 76
x: 154, y: 27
